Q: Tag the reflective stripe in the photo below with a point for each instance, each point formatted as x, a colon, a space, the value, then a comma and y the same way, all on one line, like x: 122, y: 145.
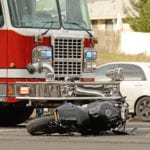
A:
x: 3, y: 73
x: 19, y: 73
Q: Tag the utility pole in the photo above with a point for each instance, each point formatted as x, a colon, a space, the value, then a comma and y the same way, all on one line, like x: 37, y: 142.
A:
x: 119, y: 15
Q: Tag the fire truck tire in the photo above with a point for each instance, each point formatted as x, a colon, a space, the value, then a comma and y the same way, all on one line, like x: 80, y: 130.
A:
x: 38, y: 126
x: 11, y: 115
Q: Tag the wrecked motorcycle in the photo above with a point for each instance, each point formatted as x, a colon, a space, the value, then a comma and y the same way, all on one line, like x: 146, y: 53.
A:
x: 108, y: 113
x: 91, y: 119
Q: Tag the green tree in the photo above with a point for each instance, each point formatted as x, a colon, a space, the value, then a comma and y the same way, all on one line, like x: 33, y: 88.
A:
x: 139, y: 18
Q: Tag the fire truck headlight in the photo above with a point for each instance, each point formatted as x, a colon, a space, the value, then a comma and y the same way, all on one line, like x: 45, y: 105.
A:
x: 42, y: 53
x: 90, y: 56
x: 46, y: 54
x: 89, y: 66
x: 90, y: 53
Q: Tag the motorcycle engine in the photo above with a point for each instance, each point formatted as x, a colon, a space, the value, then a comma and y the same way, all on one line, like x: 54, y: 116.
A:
x: 99, y: 115
x: 103, y: 115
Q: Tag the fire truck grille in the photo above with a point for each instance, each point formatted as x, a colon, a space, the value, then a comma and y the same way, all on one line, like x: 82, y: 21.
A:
x: 67, y: 57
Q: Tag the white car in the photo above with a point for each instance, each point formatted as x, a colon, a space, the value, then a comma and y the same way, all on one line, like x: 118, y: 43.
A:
x: 135, y: 86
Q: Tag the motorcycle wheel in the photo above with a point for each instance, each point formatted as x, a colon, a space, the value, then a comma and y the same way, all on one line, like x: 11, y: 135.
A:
x: 39, y: 126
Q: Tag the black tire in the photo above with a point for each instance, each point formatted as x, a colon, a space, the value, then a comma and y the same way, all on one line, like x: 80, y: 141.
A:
x: 38, y: 126
x: 13, y: 114
x: 143, y: 109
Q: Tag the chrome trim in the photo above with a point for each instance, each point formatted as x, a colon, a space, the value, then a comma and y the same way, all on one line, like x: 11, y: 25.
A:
x: 67, y: 56
x: 85, y: 91
x: 2, y: 92
x: 2, y: 89
x: 66, y: 90
x: 66, y: 98
x: 2, y: 99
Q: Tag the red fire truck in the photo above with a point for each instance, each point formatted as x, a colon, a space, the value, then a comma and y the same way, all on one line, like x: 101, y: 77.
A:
x: 46, y: 53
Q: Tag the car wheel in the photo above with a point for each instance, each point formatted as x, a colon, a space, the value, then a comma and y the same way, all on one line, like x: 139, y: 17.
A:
x: 143, y: 109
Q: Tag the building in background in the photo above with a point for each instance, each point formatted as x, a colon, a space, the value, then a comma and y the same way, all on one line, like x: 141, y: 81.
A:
x: 108, y: 15
x: 114, y: 34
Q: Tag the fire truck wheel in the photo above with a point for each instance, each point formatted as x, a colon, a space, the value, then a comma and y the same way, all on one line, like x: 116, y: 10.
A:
x: 13, y: 114
x: 38, y: 126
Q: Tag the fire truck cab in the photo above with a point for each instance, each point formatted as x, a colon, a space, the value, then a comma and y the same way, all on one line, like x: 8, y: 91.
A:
x: 42, y: 41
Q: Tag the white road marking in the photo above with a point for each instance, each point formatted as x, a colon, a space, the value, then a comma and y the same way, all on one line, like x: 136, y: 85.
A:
x: 10, y: 130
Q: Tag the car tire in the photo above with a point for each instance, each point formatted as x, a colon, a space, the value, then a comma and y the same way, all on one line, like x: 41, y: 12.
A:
x: 143, y: 109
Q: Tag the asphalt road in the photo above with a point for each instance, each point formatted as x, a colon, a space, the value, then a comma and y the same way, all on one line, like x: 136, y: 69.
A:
x: 17, y: 138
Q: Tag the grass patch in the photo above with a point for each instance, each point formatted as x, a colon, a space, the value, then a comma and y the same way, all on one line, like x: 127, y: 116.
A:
x: 105, y: 57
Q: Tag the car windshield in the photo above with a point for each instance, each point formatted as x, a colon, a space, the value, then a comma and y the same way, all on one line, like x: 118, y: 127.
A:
x: 34, y: 13
x: 74, y: 14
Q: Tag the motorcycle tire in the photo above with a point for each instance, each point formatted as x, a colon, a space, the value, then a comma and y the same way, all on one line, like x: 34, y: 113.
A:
x: 39, y: 126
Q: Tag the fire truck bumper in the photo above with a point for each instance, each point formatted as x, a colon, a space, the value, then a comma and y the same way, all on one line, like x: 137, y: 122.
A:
x: 64, y: 91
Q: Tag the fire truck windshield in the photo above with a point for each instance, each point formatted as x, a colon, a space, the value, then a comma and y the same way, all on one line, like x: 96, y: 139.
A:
x: 34, y: 13
x: 49, y: 14
x: 74, y: 11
